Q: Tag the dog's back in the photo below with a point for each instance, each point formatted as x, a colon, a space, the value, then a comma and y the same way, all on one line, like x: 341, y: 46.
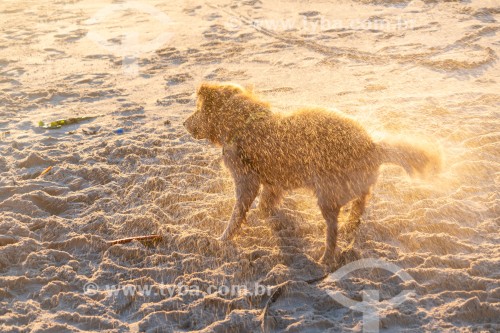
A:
x: 308, y: 146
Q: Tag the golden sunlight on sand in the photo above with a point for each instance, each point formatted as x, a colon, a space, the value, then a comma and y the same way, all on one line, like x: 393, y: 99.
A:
x: 94, y: 156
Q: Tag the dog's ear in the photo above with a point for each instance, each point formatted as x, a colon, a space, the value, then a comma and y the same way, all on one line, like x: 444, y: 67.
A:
x: 205, y: 90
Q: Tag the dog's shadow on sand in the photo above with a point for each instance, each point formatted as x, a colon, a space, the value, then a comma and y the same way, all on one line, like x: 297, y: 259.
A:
x: 289, y: 229
x: 293, y: 233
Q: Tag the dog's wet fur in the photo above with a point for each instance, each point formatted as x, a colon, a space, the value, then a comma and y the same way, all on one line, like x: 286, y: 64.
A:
x: 323, y: 150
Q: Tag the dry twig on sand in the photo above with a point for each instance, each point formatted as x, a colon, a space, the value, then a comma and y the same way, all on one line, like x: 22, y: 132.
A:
x: 46, y: 171
x: 150, y: 240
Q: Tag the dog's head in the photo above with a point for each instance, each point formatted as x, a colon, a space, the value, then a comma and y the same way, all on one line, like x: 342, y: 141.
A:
x: 217, y: 111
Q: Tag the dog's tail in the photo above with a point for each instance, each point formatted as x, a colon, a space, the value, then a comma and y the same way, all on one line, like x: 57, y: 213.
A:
x: 415, y: 158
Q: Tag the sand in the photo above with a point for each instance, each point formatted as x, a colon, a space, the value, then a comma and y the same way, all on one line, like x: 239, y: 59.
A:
x: 422, y: 69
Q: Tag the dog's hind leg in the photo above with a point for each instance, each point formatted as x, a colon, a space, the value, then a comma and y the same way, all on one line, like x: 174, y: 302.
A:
x: 357, y: 210
x: 247, y: 188
x: 269, y: 201
x: 330, y: 210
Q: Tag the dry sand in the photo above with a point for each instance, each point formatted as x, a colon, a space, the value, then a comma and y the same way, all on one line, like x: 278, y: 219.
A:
x: 424, y: 69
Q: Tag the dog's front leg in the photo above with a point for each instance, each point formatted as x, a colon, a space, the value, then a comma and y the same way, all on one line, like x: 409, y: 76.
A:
x: 330, y: 212
x: 247, y: 187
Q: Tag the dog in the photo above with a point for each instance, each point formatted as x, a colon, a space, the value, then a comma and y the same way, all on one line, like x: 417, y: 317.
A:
x: 323, y: 150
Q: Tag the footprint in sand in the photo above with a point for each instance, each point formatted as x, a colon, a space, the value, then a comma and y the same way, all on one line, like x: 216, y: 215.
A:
x: 171, y: 56
x: 191, y: 11
x: 13, y: 72
x: 310, y: 13
x: 178, y: 79
x: 71, y: 36
x: 225, y: 75
x: 461, y: 58
x: 277, y: 90
x: 90, y: 79
x: 182, y: 98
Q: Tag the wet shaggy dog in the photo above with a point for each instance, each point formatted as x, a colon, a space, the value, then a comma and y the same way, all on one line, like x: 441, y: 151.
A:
x: 322, y: 150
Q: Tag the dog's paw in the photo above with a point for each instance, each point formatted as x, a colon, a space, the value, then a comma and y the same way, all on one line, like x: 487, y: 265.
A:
x: 226, y: 236
x: 351, y: 226
x: 325, y: 260
x: 331, y: 258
